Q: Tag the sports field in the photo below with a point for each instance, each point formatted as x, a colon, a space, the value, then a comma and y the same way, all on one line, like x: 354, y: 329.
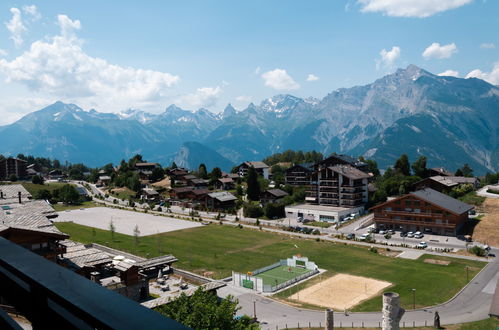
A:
x: 281, y: 274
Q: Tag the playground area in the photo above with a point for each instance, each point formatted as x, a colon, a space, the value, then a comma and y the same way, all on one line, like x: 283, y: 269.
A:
x: 341, y: 292
x: 276, y: 276
x: 281, y: 274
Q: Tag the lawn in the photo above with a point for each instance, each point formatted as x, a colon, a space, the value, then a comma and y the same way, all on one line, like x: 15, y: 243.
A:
x: 222, y: 249
x: 34, y: 188
x: 62, y: 207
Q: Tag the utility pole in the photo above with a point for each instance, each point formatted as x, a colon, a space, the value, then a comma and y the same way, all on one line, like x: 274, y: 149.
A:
x: 467, y: 273
x: 413, y: 298
x: 254, y: 310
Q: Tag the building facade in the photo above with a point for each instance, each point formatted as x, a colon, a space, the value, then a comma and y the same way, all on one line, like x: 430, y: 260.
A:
x: 12, y: 166
x: 425, y: 210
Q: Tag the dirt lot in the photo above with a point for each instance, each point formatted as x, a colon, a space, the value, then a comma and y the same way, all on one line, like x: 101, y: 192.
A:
x: 341, y: 291
x: 487, y: 230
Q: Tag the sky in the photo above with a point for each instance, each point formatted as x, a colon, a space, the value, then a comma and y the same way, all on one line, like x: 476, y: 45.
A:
x: 112, y: 56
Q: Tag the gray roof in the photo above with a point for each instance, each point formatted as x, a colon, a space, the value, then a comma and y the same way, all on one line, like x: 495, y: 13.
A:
x: 256, y: 164
x: 226, y: 180
x: 12, y: 191
x: 451, y: 181
x: 350, y: 172
x: 223, y: 196
x: 150, y: 191
x: 277, y: 192
x: 157, y: 261
x: 446, y: 202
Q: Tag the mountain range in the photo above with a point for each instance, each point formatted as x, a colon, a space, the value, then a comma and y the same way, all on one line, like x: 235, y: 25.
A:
x: 450, y: 120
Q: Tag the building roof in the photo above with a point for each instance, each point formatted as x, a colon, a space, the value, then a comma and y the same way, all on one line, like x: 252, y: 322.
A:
x: 350, y: 172
x: 343, y: 158
x: 306, y: 166
x: 104, y: 178
x: 222, y: 196
x: 199, y: 192
x: 182, y: 189
x: 226, y: 180
x: 13, y: 158
x: 451, y: 181
x: 146, y: 164
x: 446, y: 202
x: 256, y: 164
x: 277, y: 192
x: 441, y: 170
x: 12, y: 191
x: 190, y: 177
x: 157, y: 261
x: 199, y: 181
x: 150, y: 192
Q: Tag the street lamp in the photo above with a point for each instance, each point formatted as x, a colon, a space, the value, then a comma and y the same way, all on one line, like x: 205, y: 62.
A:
x: 413, y: 298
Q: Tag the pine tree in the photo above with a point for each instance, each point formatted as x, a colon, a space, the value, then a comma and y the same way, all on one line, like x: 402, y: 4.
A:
x: 253, y: 186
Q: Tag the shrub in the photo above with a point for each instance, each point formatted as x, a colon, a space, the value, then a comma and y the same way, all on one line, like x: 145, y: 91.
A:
x: 478, y: 251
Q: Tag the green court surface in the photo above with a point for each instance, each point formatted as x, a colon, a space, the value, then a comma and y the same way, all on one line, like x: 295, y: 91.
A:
x: 281, y: 274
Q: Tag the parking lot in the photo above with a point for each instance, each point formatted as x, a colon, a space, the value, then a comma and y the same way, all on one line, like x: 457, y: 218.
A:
x: 124, y: 221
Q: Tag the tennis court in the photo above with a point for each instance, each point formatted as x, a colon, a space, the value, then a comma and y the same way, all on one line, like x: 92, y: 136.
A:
x: 281, y: 274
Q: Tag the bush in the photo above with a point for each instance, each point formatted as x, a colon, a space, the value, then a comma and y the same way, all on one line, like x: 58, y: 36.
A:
x: 388, y: 236
x: 252, y: 211
x: 316, y: 232
x: 37, y: 179
x: 478, y: 251
x: 373, y: 249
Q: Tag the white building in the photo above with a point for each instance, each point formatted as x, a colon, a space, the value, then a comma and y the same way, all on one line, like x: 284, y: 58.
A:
x: 321, y: 212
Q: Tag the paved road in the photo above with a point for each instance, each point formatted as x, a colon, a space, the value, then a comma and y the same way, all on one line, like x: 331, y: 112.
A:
x: 471, y: 304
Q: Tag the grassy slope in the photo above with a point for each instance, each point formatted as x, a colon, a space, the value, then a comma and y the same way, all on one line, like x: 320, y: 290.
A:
x: 62, y: 207
x: 222, y: 249
x: 34, y: 188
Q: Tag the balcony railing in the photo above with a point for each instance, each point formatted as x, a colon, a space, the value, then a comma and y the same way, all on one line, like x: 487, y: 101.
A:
x: 412, y: 213
x: 51, y: 296
x: 412, y: 222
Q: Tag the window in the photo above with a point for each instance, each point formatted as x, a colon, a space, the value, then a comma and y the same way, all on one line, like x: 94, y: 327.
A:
x: 407, y: 202
x: 36, y: 246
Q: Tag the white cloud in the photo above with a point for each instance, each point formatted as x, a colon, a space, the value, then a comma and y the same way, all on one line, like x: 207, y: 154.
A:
x: 243, y: 98
x: 387, y: 58
x: 3, y: 52
x: 67, y: 25
x: 410, y: 8
x: 279, y: 79
x: 312, y: 77
x: 59, y: 68
x: 440, y: 52
x: 16, y: 27
x: 450, y: 73
x: 204, y: 97
x: 491, y: 77
x: 33, y: 12
x: 487, y: 45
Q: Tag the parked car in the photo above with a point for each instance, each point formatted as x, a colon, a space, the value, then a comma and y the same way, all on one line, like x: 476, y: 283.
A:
x: 390, y: 231
x: 403, y: 234
x: 371, y: 230
x: 382, y: 232
x: 364, y: 237
x: 422, y: 245
x: 418, y: 236
x: 410, y: 234
x: 350, y: 236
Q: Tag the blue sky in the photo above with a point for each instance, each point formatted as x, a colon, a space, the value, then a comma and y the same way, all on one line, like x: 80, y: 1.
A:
x: 111, y: 55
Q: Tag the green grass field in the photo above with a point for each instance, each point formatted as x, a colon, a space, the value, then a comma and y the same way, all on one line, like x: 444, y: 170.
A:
x: 84, y: 205
x: 281, y: 274
x: 222, y: 249
x: 34, y: 188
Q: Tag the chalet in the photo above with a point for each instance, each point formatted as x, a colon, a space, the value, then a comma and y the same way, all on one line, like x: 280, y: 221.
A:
x: 233, y: 176
x: 146, y: 166
x: 198, y: 183
x: 180, y: 193
x: 445, y: 183
x: 260, y: 167
x: 150, y: 195
x: 300, y: 174
x: 199, y: 195
x: 224, y: 184
x: 425, y: 210
x: 27, y: 223
x: 177, y: 173
x: 272, y: 196
x: 144, y: 175
x: 220, y: 200
x: 56, y: 175
x: 439, y: 171
x: 12, y: 166
x: 339, y: 185
x: 33, y: 169
x: 341, y: 160
x: 103, y: 180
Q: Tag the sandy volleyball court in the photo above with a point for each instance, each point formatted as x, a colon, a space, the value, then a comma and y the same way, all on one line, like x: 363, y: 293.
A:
x: 341, y: 291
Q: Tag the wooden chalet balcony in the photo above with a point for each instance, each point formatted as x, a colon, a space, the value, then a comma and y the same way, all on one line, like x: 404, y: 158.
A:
x: 412, y: 213
x: 412, y: 222
x: 329, y: 180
